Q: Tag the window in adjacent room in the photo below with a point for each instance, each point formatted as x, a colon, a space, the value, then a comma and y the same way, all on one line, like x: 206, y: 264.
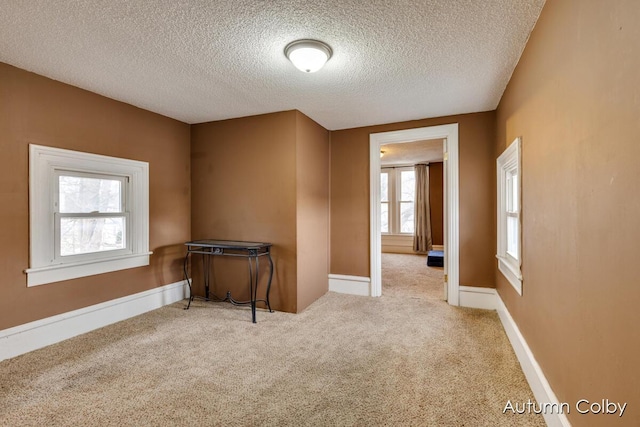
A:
x: 88, y: 214
x: 509, y: 243
x: 406, y: 199
x: 397, y: 192
x: 384, y: 204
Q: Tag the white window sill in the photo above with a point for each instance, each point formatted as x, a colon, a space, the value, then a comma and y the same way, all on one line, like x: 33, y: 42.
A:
x: 511, y: 273
x: 59, y: 272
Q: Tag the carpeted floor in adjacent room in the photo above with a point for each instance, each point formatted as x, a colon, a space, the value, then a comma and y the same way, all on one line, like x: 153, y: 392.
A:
x: 406, y: 358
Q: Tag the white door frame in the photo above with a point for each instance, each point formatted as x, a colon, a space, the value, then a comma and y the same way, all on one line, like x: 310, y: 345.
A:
x: 452, y: 202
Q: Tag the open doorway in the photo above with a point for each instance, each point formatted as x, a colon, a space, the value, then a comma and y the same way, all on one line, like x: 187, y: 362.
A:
x: 449, y: 134
x: 412, y: 227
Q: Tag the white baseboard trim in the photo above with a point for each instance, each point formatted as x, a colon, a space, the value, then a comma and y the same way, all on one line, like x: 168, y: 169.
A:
x: 472, y: 297
x: 535, y: 377
x: 354, y: 285
x: 41, y: 333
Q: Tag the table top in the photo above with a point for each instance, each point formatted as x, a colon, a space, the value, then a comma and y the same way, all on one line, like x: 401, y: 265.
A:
x: 227, y: 244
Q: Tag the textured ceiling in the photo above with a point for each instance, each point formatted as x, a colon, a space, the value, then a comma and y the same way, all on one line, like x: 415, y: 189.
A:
x: 410, y: 153
x: 199, y: 61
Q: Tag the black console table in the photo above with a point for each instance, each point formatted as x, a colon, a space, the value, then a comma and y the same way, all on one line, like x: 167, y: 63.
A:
x: 250, y: 250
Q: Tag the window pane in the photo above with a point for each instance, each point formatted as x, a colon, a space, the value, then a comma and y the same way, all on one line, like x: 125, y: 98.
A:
x: 384, y: 186
x: 407, y: 185
x: 384, y: 217
x: 509, y: 193
x: 512, y: 236
x: 83, y: 195
x: 512, y: 191
x: 406, y: 217
x: 85, y: 235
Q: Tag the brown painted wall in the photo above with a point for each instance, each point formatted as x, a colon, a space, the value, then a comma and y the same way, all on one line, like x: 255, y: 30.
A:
x: 350, y: 196
x: 244, y: 188
x: 574, y: 100
x: 312, y: 166
x: 34, y: 109
x: 436, y: 202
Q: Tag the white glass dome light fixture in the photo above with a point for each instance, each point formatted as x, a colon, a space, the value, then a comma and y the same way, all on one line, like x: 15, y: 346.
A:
x: 308, y: 55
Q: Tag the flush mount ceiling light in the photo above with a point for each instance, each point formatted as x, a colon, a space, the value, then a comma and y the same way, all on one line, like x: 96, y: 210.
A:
x: 308, y: 55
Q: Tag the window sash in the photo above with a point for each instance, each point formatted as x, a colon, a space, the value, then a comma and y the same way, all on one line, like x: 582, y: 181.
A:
x: 511, y: 177
x: 384, y: 218
x: 59, y: 257
x: 407, y: 217
x: 384, y: 186
x: 512, y: 215
x: 122, y: 179
x: 513, y: 232
x: 407, y: 189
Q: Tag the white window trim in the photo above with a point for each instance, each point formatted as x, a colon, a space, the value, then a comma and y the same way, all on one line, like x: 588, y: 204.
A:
x: 510, y: 267
x: 43, y: 162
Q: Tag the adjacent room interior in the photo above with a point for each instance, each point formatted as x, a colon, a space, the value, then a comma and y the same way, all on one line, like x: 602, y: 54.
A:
x: 412, y: 256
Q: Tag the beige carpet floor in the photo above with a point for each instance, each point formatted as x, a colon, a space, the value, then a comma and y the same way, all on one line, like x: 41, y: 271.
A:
x: 406, y: 358
x: 405, y: 275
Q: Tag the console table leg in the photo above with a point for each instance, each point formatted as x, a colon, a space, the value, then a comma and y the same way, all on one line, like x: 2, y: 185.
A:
x: 253, y: 286
x: 206, y: 267
x: 269, y: 283
x: 186, y: 276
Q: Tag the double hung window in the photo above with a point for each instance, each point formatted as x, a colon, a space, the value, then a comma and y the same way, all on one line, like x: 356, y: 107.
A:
x: 88, y: 214
x: 91, y: 216
x: 385, y: 214
x: 509, y: 242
